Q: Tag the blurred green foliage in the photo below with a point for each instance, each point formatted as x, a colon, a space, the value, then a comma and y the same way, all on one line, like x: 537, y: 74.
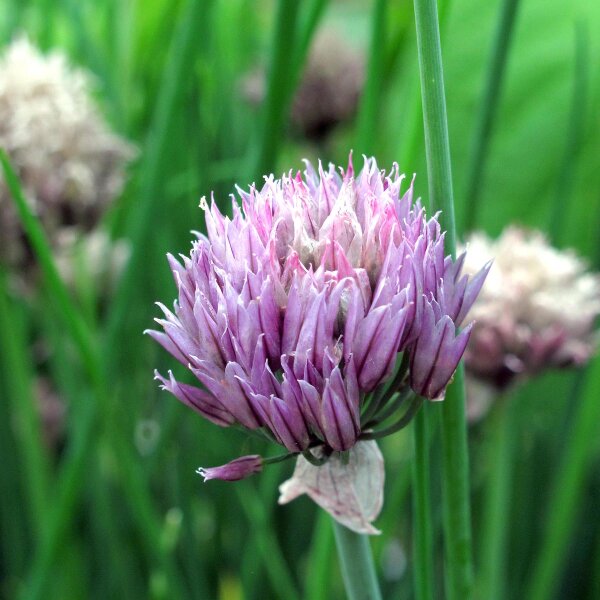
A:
x: 118, y: 512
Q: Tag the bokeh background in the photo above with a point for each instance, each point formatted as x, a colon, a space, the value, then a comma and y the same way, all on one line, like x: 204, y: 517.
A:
x: 110, y: 506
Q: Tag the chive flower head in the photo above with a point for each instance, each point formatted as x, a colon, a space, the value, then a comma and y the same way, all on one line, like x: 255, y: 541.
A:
x: 324, y: 303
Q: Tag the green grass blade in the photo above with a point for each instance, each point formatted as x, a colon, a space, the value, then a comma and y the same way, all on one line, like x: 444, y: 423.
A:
x: 25, y: 415
x: 575, y: 133
x: 276, y: 103
x: 423, y: 565
x: 70, y: 483
x: 72, y: 318
x: 320, y: 563
x: 567, y: 488
x: 487, y: 111
x: 307, y: 29
x: 266, y: 542
x: 494, y: 532
x: 371, y: 97
x: 121, y: 323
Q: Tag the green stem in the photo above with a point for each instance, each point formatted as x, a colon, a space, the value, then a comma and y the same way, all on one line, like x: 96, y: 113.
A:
x: 371, y: 98
x: 356, y: 563
x: 437, y: 145
x: 455, y: 460
x: 406, y: 418
x: 423, y: 535
x: 279, y: 87
x: 567, y: 487
x: 487, y: 111
x: 497, y: 501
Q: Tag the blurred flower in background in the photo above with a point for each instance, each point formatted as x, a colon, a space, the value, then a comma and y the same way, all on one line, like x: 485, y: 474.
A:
x: 291, y: 315
x: 93, y: 260
x: 329, y: 90
x: 330, y: 87
x: 535, y: 312
x: 69, y: 162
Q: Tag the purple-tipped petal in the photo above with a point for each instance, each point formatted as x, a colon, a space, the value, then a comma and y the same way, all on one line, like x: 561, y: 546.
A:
x: 436, y: 354
x: 380, y: 356
x: 289, y: 424
x: 199, y: 400
x: 472, y: 291
x: 338, y: 417
x: 167, y: 343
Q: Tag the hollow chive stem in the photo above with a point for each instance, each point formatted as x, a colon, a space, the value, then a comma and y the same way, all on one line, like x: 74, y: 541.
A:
x: 356, y: 562
x: 455, y: 463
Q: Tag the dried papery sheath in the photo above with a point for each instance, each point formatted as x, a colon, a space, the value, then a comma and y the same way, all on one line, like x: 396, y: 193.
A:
x: 350, y: 488
x: 320, y: 313
x: 536, y: 311
x: 70, y: 164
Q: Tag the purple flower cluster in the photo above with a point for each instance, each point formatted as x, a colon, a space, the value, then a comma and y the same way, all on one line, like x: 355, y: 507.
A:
x: 292, y: 312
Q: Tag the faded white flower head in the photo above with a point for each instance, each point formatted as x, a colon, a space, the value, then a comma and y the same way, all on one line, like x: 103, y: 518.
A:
x: 536, y: 310
x: 70, y: 164
x: 93, y: 257
x: 330, y: 87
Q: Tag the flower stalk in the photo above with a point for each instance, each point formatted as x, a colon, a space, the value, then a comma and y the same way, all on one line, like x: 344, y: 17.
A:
x: 456, y: 507
x: 356, y: 562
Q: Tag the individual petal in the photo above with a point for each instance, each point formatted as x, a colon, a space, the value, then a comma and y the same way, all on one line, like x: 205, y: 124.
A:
x: 339, y: 416
x: 270, y: 319
x: 226, y: 386
x: 435, y: 355
x: 472, y: 291
x: 350, y: 491
x: 167, y: 343
x: 199, y: 400
x: 289, y: 424
x: 237, y: 469
x: 378, y: 340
